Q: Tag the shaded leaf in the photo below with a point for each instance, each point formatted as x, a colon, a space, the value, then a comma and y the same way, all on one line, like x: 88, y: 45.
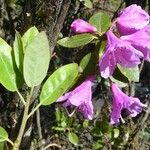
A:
x: 101, y: 21
x: 36, y: 60
x: 58, y: 83
x: 1, y: 145
x: 88, y: 63
x: 76, y: 40
x: 3, y: 134
x: 18, y: 51
x: 73, y: 138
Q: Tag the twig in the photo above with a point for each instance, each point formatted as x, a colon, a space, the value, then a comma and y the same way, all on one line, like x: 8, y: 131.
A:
x: 39, y: 128
x: 51, y: 145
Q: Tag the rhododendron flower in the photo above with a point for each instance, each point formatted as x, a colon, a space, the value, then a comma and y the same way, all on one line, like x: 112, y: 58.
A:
x: 80, y: 97
x: 122, y: 101
x: 141, y: 41
x: 132, y: 19
x: 118, y: 52
x: 81, y: 26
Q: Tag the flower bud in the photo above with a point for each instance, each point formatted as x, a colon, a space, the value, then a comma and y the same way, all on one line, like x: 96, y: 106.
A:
x: 81, y: 26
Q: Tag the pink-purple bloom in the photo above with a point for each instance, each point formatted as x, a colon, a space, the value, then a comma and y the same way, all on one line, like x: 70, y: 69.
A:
x: 140, y: 40
x: 81, y: 98
x: 81, y: 26
x: 132, y: 19
x: 118, y: 51
x: 122, y: 101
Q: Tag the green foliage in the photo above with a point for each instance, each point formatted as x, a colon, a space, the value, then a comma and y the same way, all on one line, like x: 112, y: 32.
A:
x: 8, y: 77
x: 1, y: 145
x: 101, y: 21
x: 73, y: 138
x: 36, y: 60
x: 131, y: 73
x: 58, y: 83
x: 28, y: 36
x: 18, y: 52
x: 3, y: 135
x: 87, y: 3
x: 76, y: 40
x: 88, y: 64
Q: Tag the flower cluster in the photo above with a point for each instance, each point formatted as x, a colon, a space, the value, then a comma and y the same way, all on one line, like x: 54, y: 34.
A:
x: 133, y: 43
x: 126, y: 50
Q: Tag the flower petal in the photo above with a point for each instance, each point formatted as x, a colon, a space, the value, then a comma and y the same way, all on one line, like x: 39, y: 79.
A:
x: 140, y: 41
x: 132, y: 19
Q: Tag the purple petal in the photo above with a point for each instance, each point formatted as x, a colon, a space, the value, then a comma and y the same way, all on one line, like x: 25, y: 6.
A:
x: 132, y: 19
x: 81, y: 26
x: 107, y: 63
x: 117, y: 104
x: 140, y: 41
x: 87, y: 110
x: 127, y: 55
x: 122, y: 101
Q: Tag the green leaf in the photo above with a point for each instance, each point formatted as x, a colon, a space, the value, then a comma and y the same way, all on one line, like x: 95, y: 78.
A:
x: 36, y: 60
x: 8, y: 77
x: 3, y: 135
x: 18, y: 52
x: 77, y: 40
x: 73, y: 138
x: 101, y: 21
x: 116, y: 133
x: 29, y: 35
x: 1, y: 145
x: 88, y: 63
x: 87, y: 3
x: 58, y: 83
x: 132, y: 74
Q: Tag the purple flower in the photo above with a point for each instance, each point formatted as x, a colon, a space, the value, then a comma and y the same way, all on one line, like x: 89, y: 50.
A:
x: 81, y: 26
x: 80, y: 97
x: 122, y: 101
x: 118, y: 51
x: 132, y: 19
x: 140, y: 40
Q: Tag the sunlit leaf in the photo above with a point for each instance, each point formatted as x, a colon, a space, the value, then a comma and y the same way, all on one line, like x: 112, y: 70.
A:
x: 3, y: 134
x: 132, y: 74
x: 76, y: 40
x: 73, y: 138
x: 8, y: 77
x: 57, y: 84
x: 101, y: 21
x: 87, y: 3
x: 36, y: 60
x: 116, y: 132
x: 29, y: 35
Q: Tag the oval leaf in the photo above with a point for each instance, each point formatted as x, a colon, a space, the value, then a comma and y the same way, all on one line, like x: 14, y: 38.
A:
x: 3, y: 134
x: 87, y: 3
x: 18, y: 52
x: 29, y: 35
x: 73, y: 138
x: 132, y: 74
x: 36, y: 60
x: 8, y: 76
x: 101, y: 21
x: 58, y: 83
x: 76, y: 41
x: 89, y: 63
